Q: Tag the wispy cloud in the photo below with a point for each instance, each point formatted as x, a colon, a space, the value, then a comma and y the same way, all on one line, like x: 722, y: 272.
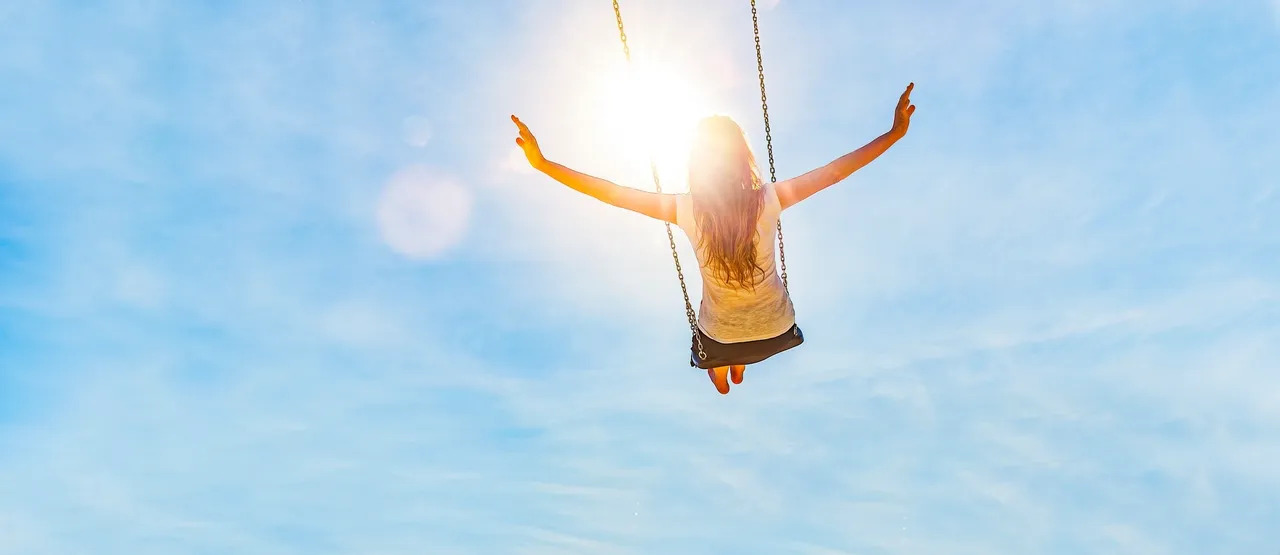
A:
x: 1042, y: 323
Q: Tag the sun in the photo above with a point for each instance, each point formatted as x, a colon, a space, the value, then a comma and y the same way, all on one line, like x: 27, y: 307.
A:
x: 652, y: 108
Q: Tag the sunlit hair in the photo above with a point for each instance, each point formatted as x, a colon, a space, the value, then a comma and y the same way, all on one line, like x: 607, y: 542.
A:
x: 727, y: 200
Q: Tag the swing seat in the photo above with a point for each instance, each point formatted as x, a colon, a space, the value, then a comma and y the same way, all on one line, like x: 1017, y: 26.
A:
x: 746, y: 352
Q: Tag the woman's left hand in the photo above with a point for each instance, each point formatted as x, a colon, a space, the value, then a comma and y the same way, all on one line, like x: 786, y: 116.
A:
x: 902, y: 113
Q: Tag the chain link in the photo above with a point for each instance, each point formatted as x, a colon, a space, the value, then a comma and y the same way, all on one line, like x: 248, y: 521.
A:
x: 622, y: 33
x: 657, y: 184
x: 768, y: 136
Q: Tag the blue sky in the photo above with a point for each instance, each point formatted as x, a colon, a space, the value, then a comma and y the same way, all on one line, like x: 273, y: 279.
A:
x: 273, y: 280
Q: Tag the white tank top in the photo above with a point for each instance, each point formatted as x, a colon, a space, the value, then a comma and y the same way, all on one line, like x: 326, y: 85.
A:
x: 730, y: 314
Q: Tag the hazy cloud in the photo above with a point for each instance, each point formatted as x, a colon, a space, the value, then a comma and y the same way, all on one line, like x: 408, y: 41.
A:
x: 417, y: 131
x: 1044, y: 322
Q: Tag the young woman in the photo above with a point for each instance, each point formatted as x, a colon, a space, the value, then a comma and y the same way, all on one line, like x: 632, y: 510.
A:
x: 729, y: 215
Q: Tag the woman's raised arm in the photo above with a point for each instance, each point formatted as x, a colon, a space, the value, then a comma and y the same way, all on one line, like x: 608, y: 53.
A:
x: 655, y: 205
x: 796, y: 189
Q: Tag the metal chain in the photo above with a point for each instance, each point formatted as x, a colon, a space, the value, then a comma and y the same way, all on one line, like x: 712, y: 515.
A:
x: 622, y: 33
x: 657, y: 183
x: 768, y: 135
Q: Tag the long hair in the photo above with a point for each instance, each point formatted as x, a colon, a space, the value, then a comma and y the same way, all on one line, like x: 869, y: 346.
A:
x: 727, y: 200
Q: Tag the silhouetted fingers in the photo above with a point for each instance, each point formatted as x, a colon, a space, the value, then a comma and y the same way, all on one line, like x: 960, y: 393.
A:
x: 520, y: 124
x: 524, y: 131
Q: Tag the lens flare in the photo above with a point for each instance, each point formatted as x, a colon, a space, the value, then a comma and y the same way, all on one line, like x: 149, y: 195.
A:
x: 422, y: 215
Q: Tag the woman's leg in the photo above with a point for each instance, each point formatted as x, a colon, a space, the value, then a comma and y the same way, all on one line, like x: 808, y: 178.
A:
x: 720, y: 376
x: 735, y: 372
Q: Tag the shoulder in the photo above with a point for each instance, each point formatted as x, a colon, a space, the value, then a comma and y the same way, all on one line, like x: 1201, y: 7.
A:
x: 771, y: 201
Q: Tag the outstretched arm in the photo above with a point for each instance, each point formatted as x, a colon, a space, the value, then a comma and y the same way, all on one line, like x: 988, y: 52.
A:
x: 655, y: 205
x: 796, y: 189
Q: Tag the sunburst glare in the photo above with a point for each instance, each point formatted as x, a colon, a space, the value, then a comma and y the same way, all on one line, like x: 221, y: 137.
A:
x: 651, y: 108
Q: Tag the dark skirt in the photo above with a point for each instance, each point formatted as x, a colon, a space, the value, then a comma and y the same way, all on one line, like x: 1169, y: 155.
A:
x: 746, y: 352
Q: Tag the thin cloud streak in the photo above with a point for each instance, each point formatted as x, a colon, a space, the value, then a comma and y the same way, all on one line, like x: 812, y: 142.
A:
x: 1041, y: 324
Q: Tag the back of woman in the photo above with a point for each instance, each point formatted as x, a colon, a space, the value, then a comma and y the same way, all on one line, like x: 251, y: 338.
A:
x: 729, y: 216
x: 733, y: 311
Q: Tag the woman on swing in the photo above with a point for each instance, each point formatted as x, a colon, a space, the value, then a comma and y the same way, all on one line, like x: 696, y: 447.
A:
x: 729, y: 215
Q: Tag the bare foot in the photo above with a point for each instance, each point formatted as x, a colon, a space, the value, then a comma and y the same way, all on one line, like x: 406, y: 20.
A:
x: 735, y: 372
x: 719, y: 376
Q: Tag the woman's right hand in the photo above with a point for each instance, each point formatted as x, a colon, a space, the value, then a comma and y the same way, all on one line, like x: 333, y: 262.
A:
x: 902, y: 113
x: 529, y: 144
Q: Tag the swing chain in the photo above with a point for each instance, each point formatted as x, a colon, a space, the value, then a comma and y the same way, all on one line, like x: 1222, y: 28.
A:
x: 684, y: 290
x: 622, y: 34
x: 768, y: 135
x: 657, y: 183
